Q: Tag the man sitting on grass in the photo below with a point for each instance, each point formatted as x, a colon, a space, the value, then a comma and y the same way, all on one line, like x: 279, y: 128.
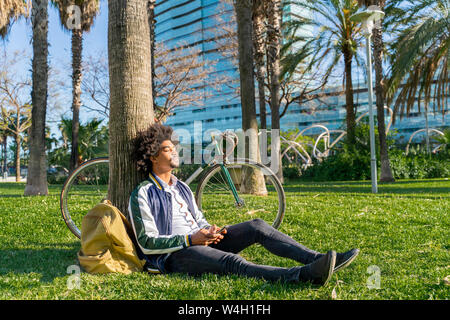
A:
x: 174, y: 237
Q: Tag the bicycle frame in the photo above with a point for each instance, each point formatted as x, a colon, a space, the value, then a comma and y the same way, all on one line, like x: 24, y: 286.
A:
x: 239, y: 201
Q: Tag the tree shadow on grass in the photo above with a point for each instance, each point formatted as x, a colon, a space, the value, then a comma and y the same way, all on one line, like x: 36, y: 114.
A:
x: 356, y: 187
x: 366, y: 182
x: 22, y: 196
x: 50, y: 261
x: 11, y: 195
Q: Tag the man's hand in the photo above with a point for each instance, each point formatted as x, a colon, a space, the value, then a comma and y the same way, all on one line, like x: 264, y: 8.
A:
x: 205, y: 237
x: 215, y: 230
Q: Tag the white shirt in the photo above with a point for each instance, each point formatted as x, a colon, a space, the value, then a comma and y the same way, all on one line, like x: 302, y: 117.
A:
x: 182, y: 220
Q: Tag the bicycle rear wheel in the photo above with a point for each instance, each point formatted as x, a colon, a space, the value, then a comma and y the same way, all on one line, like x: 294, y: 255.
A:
x: 216, y: 200
x: 85, y: 187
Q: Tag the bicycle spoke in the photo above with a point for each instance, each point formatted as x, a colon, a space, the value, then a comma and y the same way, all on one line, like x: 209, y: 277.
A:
x: 218, y: 203
x: 223, y: 179
x: 222, y: 185
x: 84, y: 189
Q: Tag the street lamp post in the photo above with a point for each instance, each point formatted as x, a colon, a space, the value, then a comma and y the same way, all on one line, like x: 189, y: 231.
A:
x: 368, y: 18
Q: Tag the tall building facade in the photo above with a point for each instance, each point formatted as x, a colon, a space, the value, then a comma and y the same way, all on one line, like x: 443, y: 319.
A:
x: 198, y: 24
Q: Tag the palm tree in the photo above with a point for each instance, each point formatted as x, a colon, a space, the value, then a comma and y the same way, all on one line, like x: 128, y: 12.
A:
x: 37, y: 165
x: 245, y: 52
x: 378, y: 48
x: 420, y: 59
x: 10, y: 11
x: 254, y: 183
x: 131, y: 109
x: 151, y: 23
x: 259, y: 44
x: 89, y: 10
x: 274, y: 14
x: 93, y: 138
x: 336, y: 42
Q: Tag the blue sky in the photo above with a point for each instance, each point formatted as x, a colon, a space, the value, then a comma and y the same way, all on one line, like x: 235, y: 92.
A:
x: 95, y: 42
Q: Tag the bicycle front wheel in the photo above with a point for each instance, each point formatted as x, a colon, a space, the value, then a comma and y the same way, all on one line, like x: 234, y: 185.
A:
x: 85, y: 187
x: 258, y: 194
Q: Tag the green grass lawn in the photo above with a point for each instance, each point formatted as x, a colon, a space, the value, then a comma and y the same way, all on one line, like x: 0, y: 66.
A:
x: 404, y: 230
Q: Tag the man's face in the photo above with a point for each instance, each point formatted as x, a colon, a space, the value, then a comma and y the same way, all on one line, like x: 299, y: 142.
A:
x: 167, y: 157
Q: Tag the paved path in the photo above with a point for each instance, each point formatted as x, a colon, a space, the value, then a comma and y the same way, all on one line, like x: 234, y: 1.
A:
x: 12, y: 179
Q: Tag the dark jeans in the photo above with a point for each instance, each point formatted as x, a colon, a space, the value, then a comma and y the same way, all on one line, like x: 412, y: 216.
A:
x: 222, y: 258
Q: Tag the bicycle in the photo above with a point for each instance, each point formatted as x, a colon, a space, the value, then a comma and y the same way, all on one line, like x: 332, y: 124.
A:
x: 227, y: 192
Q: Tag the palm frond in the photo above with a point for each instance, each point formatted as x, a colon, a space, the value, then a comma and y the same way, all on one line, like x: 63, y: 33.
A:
x: 419, y: 72
x: 10, y: 11
x: 89, y: 10
x: 333, y: 34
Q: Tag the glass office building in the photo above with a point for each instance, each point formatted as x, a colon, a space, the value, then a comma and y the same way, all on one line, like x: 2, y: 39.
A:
x: 196, y: 23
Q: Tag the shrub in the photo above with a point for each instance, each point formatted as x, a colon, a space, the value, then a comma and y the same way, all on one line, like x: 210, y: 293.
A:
x: 341, y: 166
x: 419, y: 165
x: 292, y: 171
x: 353, y: 162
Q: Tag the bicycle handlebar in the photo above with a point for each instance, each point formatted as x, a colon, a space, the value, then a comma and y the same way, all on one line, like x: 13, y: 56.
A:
x: 228, y: 136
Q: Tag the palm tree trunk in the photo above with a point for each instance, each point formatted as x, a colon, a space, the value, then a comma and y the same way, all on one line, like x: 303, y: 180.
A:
x: 37, y: 166
x: 349, y: 106
x: 273, y: 65
x: 262, y: 102
x: 131, y: 108
x: 259, y: 46
x: 151, y: 23
x: 252, y: 182
x: 427, y: 129
x: 386, y: 172
x: 77, y: 49
x: 378, y: 45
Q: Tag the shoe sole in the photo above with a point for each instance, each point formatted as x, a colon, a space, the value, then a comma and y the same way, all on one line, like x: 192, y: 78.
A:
x: 347, y: 262
x: 331, y: 267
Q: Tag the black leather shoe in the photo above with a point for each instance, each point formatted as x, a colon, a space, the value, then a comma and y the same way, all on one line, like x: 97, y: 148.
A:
x: 319, y: 271
x: 345, y: 258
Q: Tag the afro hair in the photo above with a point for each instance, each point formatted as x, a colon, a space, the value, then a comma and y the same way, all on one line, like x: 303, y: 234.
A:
x: 147, y: 144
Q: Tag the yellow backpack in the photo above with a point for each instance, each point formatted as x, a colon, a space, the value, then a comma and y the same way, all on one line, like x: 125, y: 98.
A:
x: 105, y: 244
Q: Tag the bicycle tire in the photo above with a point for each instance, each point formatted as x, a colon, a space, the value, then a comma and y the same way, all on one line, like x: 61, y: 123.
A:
x: 65, y: 211
x: 210, y: 172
